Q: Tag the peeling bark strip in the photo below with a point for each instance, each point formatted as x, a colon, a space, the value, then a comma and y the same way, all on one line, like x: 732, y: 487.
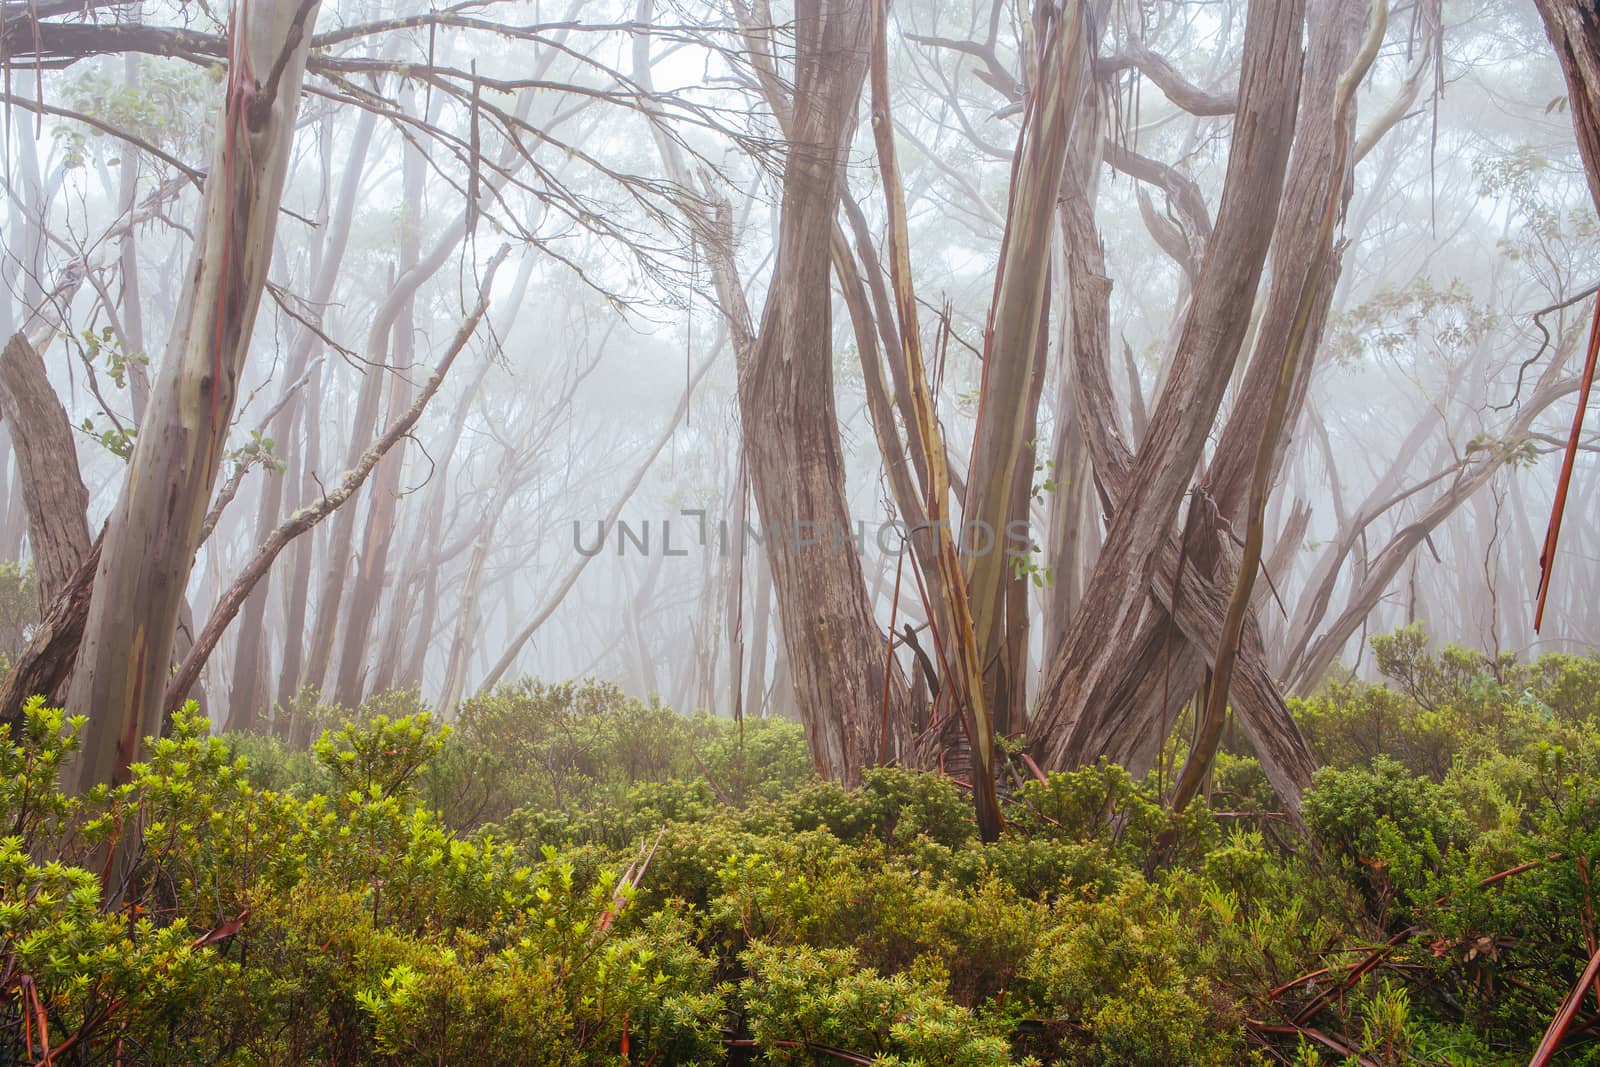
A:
x: 153, y: 529
x: 957, y: 623
x: 47, y: 463
x: 1001, y: 469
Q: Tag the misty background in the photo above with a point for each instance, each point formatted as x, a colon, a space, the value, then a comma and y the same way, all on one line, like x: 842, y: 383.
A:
x: 605, y: 377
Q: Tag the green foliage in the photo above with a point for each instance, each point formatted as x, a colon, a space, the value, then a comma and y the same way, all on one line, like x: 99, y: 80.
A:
x: 379, y: 757
x: 663, y: 889
x: 166, y: 107
x: 803, y: 1002
x: 356, y: 927
x: 1126, y: 968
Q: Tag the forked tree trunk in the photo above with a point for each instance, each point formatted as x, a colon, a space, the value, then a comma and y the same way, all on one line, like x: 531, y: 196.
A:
x: 1308, y: 289
x: 1145, y: 700
x: 154, y: 528
x: 1147, y: 502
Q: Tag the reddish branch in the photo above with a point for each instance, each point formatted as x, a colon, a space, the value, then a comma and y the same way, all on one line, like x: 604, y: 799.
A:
x: 1547, y: 558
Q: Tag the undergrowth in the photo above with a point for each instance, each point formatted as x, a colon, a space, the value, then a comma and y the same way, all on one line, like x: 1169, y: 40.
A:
x: 568, y: 876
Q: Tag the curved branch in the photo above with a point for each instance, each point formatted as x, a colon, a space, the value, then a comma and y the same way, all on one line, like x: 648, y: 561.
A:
x: 307, y: 517
x: 1173, y: 85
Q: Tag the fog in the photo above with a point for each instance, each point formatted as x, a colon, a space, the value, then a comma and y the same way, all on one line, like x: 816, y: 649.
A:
x: 597, y: 146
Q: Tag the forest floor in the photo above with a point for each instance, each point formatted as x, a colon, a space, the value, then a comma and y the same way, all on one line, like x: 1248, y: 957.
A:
x: 570, y: 876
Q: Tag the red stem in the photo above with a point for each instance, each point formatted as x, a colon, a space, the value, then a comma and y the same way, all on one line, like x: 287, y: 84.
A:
x: 1547, y: 559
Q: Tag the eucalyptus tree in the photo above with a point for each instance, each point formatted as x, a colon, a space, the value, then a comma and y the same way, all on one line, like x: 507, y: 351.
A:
x: 151, y: 537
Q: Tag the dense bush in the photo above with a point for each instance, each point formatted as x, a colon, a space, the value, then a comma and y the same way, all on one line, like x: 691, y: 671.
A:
x: 569, y: 876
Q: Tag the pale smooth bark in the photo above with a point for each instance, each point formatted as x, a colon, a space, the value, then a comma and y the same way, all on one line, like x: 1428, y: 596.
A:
x: 153, y: 530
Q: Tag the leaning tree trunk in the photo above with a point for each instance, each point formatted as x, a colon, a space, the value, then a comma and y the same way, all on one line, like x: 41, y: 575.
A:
x: 786, y: 393
x: 1311, y: 297
x: 154, y: 528
x: 1292, y: 315
x: 47, y: 468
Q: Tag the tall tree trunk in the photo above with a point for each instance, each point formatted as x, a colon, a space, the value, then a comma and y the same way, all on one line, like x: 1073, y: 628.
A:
x: 152, y: 534
x: 372, y: 564
x: 638, y: 606
x: 297, y: 590
x: 734, y: 591
x: 789, y: 421
x: 1016, y: 343
x: 761, y: 614
x: 14, y: 520
x: 426, y: 558
x: 786, y: 396
x: 1574, y: 29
